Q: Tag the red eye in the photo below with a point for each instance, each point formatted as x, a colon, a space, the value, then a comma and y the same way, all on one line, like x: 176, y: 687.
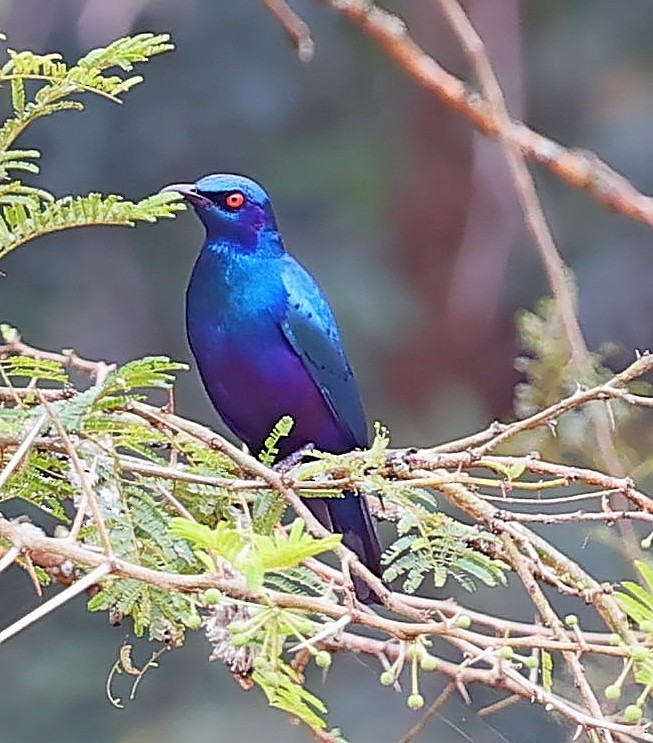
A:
x: 234, y: 200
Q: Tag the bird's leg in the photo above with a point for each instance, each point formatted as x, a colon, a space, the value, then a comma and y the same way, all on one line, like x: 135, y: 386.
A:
x: 287, y: 463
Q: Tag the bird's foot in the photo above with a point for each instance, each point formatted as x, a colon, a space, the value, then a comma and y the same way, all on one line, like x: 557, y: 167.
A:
x: 287, y: 463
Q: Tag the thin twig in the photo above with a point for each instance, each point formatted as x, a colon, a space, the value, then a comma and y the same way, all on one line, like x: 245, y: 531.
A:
x: 533, y: 213
x: 56, y: 601
x: 296, y: 29
x: 22, y: 450
x: 82, y: 476
x: 552, y: 620
x: 9, y: 558
x: 437, y: 704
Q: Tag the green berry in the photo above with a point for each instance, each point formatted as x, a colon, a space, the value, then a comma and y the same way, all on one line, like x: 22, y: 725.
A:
x: 260, y: 663
x: 387, y: 678
x: 646, y: 626
x: 415, y: 701
x: 571, y: 620
x: 271, y: 678
x: 632, y: 713
x: 238, y: 641
x: 612, y: 692
x: 212, y: 596
x: 638, y: 654
x: 506, y: 652
x: 615, y: 639
x: 322, y: 659
x: 463, y: 621
x: 428, y: 662
x: 531, y: 662
x: 194, y: 621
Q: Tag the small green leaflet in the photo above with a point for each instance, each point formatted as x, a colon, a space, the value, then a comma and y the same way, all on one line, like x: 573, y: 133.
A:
x: 253, y: 554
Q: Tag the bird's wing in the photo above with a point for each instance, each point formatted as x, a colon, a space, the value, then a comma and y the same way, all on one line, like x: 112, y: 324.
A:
x: 311, y: 330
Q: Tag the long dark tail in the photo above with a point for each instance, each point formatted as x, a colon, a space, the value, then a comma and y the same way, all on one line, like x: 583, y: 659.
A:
x: 350, y: 517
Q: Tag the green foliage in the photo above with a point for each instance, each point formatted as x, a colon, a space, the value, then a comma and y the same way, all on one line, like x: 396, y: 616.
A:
x: 553, y: 373
x: 297, y: 579
x: 547, y: 670
x: 21, y: 222
x: 286, y: 693
x: 638, y: 605
x: 36, y: 369
x: 638, y: 602
x: 547, y: 363
x: 431, y: 543
x: 59, y: 81
x: 269, y: 505
x: 282, y: 428
x: 149, y: 372
x: 43, y: 84
x: 267, y: 629
x: 252, y: 555
x: 154, y: 611
x: 44, y: 482
x: 136, y: 516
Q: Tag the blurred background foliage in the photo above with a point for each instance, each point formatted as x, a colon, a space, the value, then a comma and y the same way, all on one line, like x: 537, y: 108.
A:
x: 409, y: 221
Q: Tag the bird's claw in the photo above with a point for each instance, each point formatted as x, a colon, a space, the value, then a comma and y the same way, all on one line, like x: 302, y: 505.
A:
x: 287, y: 463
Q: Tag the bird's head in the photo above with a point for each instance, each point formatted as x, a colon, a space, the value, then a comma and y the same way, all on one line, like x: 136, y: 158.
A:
x: 233, y: 208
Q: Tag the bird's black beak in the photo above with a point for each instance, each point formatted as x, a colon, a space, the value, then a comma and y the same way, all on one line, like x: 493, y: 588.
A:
x: 188, y: 191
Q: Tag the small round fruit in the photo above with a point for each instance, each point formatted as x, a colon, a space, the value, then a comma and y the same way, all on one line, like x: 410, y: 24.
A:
x: 415, y: 701
x: 638, y: 654
x: 612, y: 692
x: 271, y: 678
x: 322, y: 659
x: 463, y: 621
x: 632, y: 713
x: 428, y: 663
x: 194, y: 621
x: 260, y: 663
x: 212, y: 596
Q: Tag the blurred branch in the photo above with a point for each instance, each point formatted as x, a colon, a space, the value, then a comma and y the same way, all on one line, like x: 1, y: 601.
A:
x: 296, y: 29
x: 536, y: 222
x: 581, y: 169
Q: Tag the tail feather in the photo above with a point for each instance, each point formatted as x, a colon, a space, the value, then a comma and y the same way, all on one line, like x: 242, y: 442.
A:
x: 350, y: 516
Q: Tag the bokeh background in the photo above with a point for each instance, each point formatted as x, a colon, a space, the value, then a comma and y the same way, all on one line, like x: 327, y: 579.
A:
x: 409, y: 221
